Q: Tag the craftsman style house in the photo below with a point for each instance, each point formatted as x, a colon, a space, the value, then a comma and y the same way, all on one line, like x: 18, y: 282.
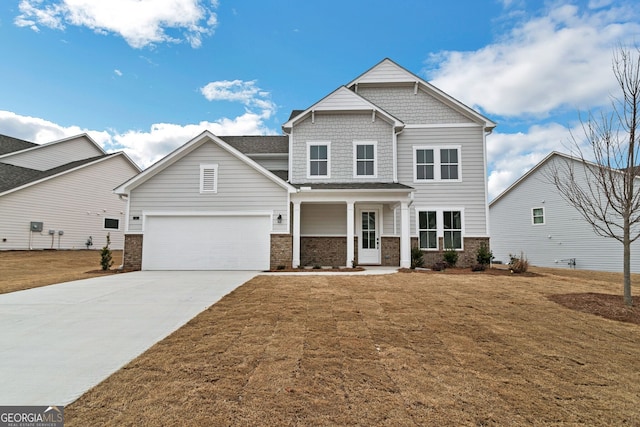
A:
x: 382, y: 164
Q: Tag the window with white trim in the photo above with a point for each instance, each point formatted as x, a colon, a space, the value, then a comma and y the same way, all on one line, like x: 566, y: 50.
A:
x: 427, y: 230
x: 208, y: 178
x: 436, y: 163
x: 318, y: 155
x: 452, y: 226
x: 537, y: 216
x: 111, y: 223
x: 365, y: 159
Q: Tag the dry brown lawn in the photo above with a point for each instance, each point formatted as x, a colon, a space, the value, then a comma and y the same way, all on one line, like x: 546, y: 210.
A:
x: 399, y: 350
x: 21, y: 270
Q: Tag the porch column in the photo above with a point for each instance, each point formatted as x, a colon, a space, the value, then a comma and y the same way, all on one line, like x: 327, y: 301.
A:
x: 296, y: 235
x: 350, y: 234
x: 405, y: 238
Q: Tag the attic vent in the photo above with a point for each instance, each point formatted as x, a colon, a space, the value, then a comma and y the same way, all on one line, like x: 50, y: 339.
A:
x: 208, y: 178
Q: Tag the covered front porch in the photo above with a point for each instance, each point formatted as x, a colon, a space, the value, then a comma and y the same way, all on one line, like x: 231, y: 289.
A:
x: 335, y: 225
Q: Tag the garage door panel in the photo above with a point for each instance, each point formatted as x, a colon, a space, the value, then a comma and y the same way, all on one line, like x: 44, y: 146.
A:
x: 206, y: 243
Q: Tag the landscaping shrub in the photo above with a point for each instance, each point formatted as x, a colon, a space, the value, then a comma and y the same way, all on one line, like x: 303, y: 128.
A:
x: 519, y: 264
x: 106, y: 260
x: 479, y: 267
x: 439, y: 266
x: 450, y: 257
x: 483, y: 255
x: 417, y: 258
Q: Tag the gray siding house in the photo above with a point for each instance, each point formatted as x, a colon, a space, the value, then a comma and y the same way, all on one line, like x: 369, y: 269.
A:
x: 531, y: 217
x: 58, y: 195
x: 381, y: 164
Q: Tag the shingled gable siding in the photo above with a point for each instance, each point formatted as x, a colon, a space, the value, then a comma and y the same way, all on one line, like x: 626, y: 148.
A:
x: 50, y: 156
x: 342, y: 130
x: 411, y: 107
x: 240, y: 188
x: 468, y: 194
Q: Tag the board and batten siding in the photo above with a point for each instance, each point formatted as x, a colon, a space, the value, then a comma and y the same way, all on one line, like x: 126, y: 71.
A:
x: 468, y: 194
x: 341, y: 130
x: 76, y: 202
x: 564, y: 234
x: 240, y: 188
x: 47, y: 157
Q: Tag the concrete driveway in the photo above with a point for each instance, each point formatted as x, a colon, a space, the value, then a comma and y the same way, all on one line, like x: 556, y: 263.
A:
x: 58, y: 341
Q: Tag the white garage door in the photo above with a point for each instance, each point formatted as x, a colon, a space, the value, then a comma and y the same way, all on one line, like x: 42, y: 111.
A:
x: 216, y: 242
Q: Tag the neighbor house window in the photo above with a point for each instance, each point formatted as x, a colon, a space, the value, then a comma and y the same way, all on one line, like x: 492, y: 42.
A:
x: 365, y: 159
x: 427, y: 230
x: 452, y: 225
x: 537, y: 215
x: 208, y: 178
x: 112, y: 223
x: 318, y: 160
x: 437, y: 164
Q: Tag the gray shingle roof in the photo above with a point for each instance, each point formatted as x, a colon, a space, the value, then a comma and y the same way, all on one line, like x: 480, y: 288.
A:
x: 9, y: 144
x: 259, y: 144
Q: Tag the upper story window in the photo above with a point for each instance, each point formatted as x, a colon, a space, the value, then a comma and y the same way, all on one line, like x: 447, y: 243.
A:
x: 208, y: 178
x: 365, y: 159
x: 537, y: 216
x: 318, y: 154
x: 436, y: 164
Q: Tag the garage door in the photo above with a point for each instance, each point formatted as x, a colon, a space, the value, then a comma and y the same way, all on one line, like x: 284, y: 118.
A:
x: 213, y: 242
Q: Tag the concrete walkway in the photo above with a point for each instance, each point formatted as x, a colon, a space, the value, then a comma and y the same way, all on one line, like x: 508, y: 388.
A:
x: 56, y: 342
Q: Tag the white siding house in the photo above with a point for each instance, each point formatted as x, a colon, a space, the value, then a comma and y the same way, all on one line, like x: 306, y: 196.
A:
x: 531, y: 217
x: 59, y: 195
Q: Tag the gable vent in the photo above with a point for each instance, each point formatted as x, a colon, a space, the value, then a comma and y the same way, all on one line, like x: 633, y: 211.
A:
x: 208, y: 178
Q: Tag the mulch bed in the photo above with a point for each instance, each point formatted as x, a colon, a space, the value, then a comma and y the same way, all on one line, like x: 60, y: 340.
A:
x: 609, y: 306
x: 488, y: 271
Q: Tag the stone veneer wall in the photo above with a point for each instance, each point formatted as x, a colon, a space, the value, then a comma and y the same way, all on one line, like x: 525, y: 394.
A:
x: 132, y: 258
x: 323, y: 251
x: 281, y: 251
x: 390, y: 251
x: 466, y: 258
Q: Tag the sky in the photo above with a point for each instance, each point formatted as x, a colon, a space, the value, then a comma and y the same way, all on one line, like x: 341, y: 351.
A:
x: 146, y: 76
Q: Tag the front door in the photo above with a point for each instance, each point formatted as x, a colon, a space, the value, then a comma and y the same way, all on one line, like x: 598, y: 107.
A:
x: 369, y: 236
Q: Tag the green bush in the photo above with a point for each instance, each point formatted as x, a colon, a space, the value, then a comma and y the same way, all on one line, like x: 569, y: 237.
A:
x: 519, y: 264
x: 450, y: 257
x: 106, y: 260
x: 417, y: 258
x: 484, y: 256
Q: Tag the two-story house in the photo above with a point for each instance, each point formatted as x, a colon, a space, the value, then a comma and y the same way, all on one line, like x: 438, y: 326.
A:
x: 382, y: 164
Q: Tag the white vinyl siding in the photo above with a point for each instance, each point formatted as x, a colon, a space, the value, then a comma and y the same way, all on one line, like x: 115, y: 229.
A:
x: 239, y: 187
x: 75, y: 203
x: 323, y: 219
x: 52, y: 155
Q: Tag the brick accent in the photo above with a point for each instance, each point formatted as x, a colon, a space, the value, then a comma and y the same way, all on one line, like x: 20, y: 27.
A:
x: 466, y: 258
x: 281, y: 250
x: 132, y: 252
x: 390, y: 251
x: 323, y: 251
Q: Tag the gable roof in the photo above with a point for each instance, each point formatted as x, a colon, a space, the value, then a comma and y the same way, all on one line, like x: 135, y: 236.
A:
x: 14, y: 178
x: 343, y: 99
x: 9, y: 144
x: 187, y: 148
x: 34, y: 146
x: 387, y: 71
x: 259, y: 144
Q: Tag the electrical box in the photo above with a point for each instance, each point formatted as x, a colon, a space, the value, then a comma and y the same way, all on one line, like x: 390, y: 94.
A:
x: 52, y: 232
x: 36, y: 226
x: 60, y: 233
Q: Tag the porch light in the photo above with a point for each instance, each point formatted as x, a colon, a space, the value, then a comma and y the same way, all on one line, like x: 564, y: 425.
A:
x: 280, y: 219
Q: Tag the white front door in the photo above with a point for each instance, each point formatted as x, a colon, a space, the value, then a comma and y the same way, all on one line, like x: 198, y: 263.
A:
x: 369, y: 236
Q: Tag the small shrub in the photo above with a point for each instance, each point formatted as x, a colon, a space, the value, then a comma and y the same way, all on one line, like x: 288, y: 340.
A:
x: 484, y: 256
x: 479, y: 267
x: 439, y: 266
x: 417, y: 258
x: 519, y: 264
x: 106, y: 260
x: 280, y: 267
x: 450, y: 257
x: 317, y: 267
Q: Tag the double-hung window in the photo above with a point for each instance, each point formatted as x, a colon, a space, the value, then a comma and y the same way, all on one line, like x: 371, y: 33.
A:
x: 427, y: 230
x: 452, y: 225
x: 537, y: 216
x: 365, y: 159
x: 318, y: 155
x: 437, y: 164
x: 433, y: 224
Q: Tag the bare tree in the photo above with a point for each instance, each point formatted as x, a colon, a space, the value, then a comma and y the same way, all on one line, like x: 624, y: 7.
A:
x: 603, y: 189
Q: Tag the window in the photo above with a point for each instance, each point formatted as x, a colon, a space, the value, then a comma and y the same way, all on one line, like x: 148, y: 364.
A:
x: 437, y: 164
x: 427, y: 230
x: 112, y: 223
x: 318, y: 160
x: 365, y: 159
x: 452, y: 224
x: 208, y: 178
x: 537, y: 216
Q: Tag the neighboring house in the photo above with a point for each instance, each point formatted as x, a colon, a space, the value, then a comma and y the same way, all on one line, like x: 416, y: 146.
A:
x: 58, y: 195
x: 386, y: 162
x: 531, y: 217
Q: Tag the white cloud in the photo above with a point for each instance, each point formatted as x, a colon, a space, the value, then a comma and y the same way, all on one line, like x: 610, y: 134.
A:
x: 245, y: 92
x: 560, y: 60
x: 117, y: 72
x: 139, y: 22
x: 144, y: 147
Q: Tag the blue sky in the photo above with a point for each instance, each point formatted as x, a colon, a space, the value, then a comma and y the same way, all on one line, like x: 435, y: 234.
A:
x: 147, y: 76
